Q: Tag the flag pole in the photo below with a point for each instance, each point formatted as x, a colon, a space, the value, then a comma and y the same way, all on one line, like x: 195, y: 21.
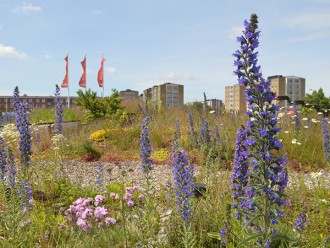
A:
x: 103, y: 74
x: 67, y: 54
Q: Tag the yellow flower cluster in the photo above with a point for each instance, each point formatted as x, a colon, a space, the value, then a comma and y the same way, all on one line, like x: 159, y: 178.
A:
x: 161, y: 155
x: 100, y: 135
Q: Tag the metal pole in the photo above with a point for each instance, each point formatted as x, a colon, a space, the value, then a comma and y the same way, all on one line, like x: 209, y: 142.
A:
x: 68, y: 82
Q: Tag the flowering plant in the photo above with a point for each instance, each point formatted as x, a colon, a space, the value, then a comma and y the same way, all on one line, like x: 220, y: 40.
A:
x: 88, y: 211
x: 100, y: 135
x: 259, y: 178
x: 58, y: 124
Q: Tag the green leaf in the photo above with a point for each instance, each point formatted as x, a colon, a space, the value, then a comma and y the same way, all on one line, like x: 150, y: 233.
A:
x: 214, y: 235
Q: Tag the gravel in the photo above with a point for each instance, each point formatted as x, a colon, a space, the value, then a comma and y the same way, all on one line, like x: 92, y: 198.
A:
x: 85, y: 173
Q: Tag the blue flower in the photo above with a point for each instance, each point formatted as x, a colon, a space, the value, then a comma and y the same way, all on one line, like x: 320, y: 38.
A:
x: 22, y: 124
x: 192, y: 129
x: 100, y: 175
x: 300, y: 222
x: 326, y: 139
x: 259, y: 177
x: 183, y: 174
x: 58, y: 124
x: 145, y: 146
x: 3, y: 159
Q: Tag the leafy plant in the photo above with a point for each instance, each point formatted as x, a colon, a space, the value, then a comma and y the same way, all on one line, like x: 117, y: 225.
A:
x: 99, y: 107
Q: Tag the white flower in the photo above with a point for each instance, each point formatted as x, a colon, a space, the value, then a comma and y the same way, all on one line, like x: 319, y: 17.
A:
x: 212, y: 112
x: 286, y: 131
x: 280, y: 115
x: 305, y: 119
x: 298, y: 143
x: 314, y: 120
x: 305, y: 126
x: 316, y: 174
x: 320, y: 113
x: 294, y: 141
x: 324, y: 200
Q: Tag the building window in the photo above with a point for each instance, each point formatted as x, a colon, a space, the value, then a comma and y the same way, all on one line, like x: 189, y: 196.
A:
x: 43, y: 100
x: 37, y: 100
x: 11, y: 100
x: 30, y: 100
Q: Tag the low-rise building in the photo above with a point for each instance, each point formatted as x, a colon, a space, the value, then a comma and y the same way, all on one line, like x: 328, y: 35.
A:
x: 32, y: 102
x: 129, y: 94
x: 168, y: 94
x: 215, y: 104
x: 291, y: 86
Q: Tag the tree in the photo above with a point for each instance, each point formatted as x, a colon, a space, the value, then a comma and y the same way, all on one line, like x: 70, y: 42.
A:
x: 318, y: 101
x: 197, y: 105
x: 99, y: 107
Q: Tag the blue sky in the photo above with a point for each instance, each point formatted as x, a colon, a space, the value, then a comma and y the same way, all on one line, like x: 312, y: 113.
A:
x: 148, y: 42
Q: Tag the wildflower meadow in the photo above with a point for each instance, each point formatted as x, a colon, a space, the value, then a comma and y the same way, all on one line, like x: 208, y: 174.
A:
x: 176, y: 178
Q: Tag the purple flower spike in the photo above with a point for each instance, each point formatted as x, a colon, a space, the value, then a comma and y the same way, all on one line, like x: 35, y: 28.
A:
x: 22, y: 124
x: 259, y: 177
x: 183, y: 174
x: 145, y: 146
x: 58, y: 124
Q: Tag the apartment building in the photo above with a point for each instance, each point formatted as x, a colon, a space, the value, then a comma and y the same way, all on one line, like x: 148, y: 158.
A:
x: 129, y: 94
x: 215, y: 104
x: 235, y: 98
x: 291, y: 86
x: 169, y: 94
x: 32, y: 102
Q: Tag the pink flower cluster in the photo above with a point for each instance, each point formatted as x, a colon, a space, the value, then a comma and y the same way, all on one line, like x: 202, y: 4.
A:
x: 128, y: 196
x: 83, y: 212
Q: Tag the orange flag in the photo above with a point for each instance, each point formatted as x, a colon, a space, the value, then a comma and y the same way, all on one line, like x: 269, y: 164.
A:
x: 82, y: 81
x: 100, y: 73
x: 65, y: 83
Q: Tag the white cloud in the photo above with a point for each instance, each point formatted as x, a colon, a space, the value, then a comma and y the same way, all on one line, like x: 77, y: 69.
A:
x: 27, y: 8
x: 234, y: 32
x: 172, y: 76
x: 310, y: 37
x: 310, y: 21
x: 311, y: 26
x: 11, y: 52
x: 110, y: 70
